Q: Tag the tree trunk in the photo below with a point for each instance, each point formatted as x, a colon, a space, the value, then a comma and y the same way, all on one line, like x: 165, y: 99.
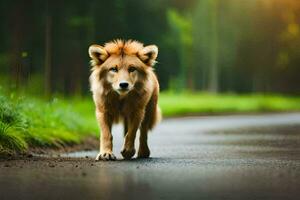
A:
x: 47, y: 80
x: 214, y: 48
x: 17, y: 31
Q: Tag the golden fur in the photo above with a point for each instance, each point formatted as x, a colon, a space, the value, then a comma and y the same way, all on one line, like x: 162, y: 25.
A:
x: 130, y: 63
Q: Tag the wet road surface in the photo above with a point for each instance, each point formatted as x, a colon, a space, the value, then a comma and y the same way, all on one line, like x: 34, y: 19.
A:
x: 221, y: 157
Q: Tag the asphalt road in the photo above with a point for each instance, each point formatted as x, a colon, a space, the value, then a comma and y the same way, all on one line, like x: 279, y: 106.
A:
x: 223, y: 157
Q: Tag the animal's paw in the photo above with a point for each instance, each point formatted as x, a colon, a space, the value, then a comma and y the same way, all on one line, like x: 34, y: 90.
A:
x: 144, y: 153
x: 128, y: 153
x: 105, y: 156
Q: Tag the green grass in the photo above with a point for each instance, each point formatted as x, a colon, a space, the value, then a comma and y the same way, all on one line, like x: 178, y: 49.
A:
x: 203, y: 103
x: 32, y: 122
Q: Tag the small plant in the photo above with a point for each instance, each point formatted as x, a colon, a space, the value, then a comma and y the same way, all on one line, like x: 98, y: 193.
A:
x: 12, y: 128
x: 31, y: 122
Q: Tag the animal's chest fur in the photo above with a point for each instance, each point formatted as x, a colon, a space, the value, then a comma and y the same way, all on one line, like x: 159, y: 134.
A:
x: 119, y: 108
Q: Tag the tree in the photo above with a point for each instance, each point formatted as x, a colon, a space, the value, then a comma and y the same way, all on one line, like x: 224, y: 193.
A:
x: 48, y: 55
x: 181, y: 29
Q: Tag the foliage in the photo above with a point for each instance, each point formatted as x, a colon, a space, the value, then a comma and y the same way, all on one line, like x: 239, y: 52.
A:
x: 208, y: 45
x: 12, y: 125
x: 181, y: 30
x: 186, y: 103
x: 31, y: 122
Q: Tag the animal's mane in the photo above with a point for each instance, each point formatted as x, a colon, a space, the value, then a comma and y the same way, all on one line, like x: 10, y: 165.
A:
x: 119, y: 47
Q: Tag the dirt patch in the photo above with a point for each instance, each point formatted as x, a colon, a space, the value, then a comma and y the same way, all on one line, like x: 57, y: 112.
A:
x: 45, y: 162
x: 90, y: 143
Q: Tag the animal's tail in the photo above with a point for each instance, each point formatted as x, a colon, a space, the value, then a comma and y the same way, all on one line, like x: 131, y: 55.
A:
x: 156, y: 118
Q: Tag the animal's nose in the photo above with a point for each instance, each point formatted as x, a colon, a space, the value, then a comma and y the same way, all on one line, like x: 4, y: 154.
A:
x: 123, y: 85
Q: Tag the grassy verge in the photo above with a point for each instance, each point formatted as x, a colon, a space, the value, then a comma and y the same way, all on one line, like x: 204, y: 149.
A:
x: 31, y: 122
x: 196, y: 103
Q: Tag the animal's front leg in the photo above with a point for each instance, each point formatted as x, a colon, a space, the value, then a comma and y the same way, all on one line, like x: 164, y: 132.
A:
x: 133, y: 125
x: 105, y: 138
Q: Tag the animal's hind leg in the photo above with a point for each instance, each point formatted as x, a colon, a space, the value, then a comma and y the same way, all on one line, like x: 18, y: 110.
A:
x: 144, y: 151
x: 125, y: 122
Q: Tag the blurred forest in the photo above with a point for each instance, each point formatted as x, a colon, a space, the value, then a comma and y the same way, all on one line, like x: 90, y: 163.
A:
x: 208, y: 45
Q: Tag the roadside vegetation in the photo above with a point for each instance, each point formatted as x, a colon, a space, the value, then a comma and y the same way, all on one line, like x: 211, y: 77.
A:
x: 27, y: 122
x: 30, y: 122
x: 186, y: 103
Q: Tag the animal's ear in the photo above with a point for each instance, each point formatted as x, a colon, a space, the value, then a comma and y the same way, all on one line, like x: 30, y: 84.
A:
x: 98, y: 54
x: 148, y: 54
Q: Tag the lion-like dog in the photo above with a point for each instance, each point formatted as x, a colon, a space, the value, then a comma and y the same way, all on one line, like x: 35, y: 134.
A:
x: 124, y: 88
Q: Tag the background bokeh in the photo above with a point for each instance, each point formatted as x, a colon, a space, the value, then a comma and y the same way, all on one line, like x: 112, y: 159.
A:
x: 215, y: 57
x: 209, y: 45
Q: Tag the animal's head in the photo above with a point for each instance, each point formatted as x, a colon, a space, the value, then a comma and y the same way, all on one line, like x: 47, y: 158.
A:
x: 123, y: 64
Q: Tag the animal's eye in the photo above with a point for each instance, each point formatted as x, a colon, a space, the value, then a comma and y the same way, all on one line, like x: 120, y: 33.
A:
x: 113, y: 69
x: 131, y: 69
